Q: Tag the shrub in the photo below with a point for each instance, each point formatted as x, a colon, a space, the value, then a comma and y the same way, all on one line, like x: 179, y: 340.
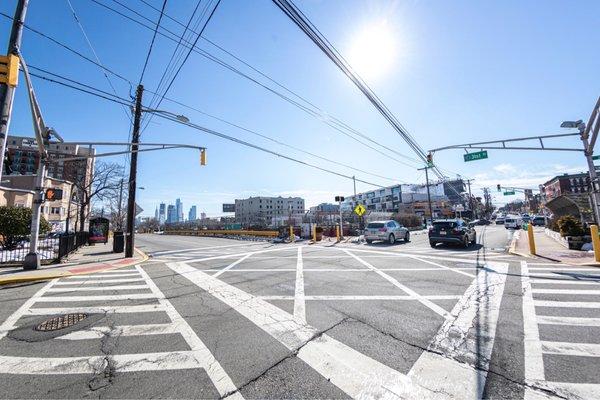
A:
x: 15, y: 225
x: 409, y: 220
x: 570, y: 226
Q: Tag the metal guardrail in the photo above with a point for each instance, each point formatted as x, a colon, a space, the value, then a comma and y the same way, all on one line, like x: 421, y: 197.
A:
x: 223, y: 232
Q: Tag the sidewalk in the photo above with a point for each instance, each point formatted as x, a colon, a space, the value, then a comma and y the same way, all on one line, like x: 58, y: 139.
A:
x: 547, y: 248
x: 86, y: 260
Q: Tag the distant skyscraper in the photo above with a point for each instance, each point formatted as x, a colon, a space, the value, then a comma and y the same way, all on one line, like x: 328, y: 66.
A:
x: 179, y: 210
x: 171, y: 214
x: 192, y: 214
x: 162, y: 213
x: 156, y: 213
x: 203, y: 215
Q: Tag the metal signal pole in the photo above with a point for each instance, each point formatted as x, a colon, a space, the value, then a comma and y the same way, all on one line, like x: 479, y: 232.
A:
x: 7, y: 92
x: 428, y: 193
x: 129, y: 242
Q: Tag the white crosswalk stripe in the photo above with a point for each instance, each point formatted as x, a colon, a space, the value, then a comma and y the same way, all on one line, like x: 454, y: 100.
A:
x: 197, y: 356
x: 535, y: 316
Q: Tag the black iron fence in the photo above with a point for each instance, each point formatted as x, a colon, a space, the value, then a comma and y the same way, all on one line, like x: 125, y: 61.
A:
x: 51, y: 248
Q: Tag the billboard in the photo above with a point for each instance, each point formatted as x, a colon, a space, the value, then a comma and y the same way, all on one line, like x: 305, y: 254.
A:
x: 228, y: 207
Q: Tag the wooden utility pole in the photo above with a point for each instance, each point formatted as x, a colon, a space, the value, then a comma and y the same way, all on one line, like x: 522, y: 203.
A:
x: 129, y: 240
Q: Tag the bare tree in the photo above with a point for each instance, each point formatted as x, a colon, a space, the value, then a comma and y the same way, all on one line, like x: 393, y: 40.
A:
x: 102, y: 186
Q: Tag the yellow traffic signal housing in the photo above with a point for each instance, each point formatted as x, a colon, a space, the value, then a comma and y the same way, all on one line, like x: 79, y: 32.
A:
x: 203, y: 157
x: 53, y: 194
x: 9, y: 70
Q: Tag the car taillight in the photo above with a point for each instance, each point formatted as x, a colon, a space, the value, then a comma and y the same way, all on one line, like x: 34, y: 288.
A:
x: 382, y: 229
x: 457, y: 231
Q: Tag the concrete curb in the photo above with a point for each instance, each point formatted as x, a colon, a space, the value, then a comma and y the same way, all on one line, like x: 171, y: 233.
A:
x: 513, y: 245
x: 84, y: 269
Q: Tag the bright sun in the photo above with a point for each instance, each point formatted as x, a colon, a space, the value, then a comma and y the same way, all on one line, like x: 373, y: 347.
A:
x: 372, y: 51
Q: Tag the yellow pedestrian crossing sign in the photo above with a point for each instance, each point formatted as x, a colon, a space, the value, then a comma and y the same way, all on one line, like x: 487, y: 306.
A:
x: 360, y: 210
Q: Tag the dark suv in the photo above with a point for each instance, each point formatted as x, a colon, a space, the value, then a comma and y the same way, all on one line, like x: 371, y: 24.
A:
x: 452, y: 231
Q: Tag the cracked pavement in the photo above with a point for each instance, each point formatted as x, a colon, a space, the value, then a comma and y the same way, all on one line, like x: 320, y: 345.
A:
x: 367, y: 334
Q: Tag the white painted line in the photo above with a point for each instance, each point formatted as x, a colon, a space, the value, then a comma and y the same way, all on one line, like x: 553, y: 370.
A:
x: 96, y: 310
x: 443, y: 267
x: 573, y: 269
x: 299, y: 304
x: 98, y: 332
x: 195, y: 260
x: 565, y: 281
x: 566, y: 291
x: 360, y: 298
x: 330, y: 269
x: 159, y: 253
x: 534, y: 362
x: 456, y: 259
x: 94, y: 276
x: 566, y: 304
x: 427, y: 303
x: 458, y: 358
x: 9, y: 323
x: 571, y: 349
x: 172, y: 360
x: 108, y: 297
x: 354, y: 373
x: 97, y: 288
x: 97, y: 281
x: 233, y: 264
x: 563, y: 390
x: 573, y: 321
x: 203, y: 356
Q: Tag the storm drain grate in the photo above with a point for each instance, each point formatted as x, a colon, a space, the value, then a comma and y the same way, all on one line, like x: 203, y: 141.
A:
x: 60, y: 322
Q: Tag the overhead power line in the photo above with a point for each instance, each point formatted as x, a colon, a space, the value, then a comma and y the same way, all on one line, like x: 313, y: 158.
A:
x: 316, y: 114
x: 162, y: 11
x: 107, y: 96
x: 282, y: 86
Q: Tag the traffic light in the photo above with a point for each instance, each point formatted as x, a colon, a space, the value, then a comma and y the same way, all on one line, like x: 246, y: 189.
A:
x: 429, y: 159
x: 203, y: 157
x: 499, y: 188
x: 9, y: 70
x: 340, y: 198
x: 54, y: 194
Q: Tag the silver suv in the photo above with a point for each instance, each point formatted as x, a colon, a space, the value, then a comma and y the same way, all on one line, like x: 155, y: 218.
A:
x: 388, y: 231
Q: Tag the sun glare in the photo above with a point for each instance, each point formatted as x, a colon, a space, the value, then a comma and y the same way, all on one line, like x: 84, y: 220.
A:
x: 372, y: 51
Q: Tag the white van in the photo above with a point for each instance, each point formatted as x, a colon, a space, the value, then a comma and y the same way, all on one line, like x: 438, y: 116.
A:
x: 513, y: 222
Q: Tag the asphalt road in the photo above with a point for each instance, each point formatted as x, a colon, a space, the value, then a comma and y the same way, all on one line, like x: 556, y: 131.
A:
x: 215, y: 318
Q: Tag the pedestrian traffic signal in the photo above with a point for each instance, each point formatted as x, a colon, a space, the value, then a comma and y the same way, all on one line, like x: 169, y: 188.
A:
x: 54, y: 194
x: 499, y: 188
x: 429, y: 159
x: 203, y: 157
x: 339, y: 198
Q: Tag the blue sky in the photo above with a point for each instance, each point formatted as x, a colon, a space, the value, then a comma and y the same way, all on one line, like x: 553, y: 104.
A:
x: 459, y: 71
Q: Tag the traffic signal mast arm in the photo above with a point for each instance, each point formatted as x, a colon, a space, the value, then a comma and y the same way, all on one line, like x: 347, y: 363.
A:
x: 501, y: 144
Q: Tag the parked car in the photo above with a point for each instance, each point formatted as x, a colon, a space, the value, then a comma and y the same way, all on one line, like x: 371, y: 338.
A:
x: 526, y: 218
x: 482, y: 221
x: 538, y: 221
x: 452, y: 231
x: 388, y: 231
x: 499, y: 220
x: 513, y: 222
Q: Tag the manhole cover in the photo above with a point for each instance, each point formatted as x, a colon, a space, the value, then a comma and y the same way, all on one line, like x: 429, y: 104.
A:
x: 60, y: 322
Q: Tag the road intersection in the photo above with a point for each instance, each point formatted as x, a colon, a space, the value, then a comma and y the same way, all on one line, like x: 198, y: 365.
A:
x: 219, y: 318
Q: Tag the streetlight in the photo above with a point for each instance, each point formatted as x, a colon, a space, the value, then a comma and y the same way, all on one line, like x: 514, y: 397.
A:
x: 179, y: 117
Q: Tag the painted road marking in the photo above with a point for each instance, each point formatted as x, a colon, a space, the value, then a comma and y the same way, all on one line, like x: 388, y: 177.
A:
x: 299, y: 303
x: 160, y: 253
x: 566, y: 291
x: 354, y: 373
x: 97, y: 281
x: 96, y: 310
x: 574, y: 321
x: 97, y: 332
x: 353, y: 298
x: 566, y: 304
x: 427, y: 303
x: 233, y: 264
x: 442, y: 368
x: 571, y: 349
x: 565, y: 281
x: 97, y: 288
x: 534, y: 362
x: 107, y: 275
x: 443, y: 267
x: 108, y: 297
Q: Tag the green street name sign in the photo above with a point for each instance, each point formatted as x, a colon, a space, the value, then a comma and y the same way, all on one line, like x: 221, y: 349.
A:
x: 596, y: 157
x: 509, y: 193
x: 478, y: 155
